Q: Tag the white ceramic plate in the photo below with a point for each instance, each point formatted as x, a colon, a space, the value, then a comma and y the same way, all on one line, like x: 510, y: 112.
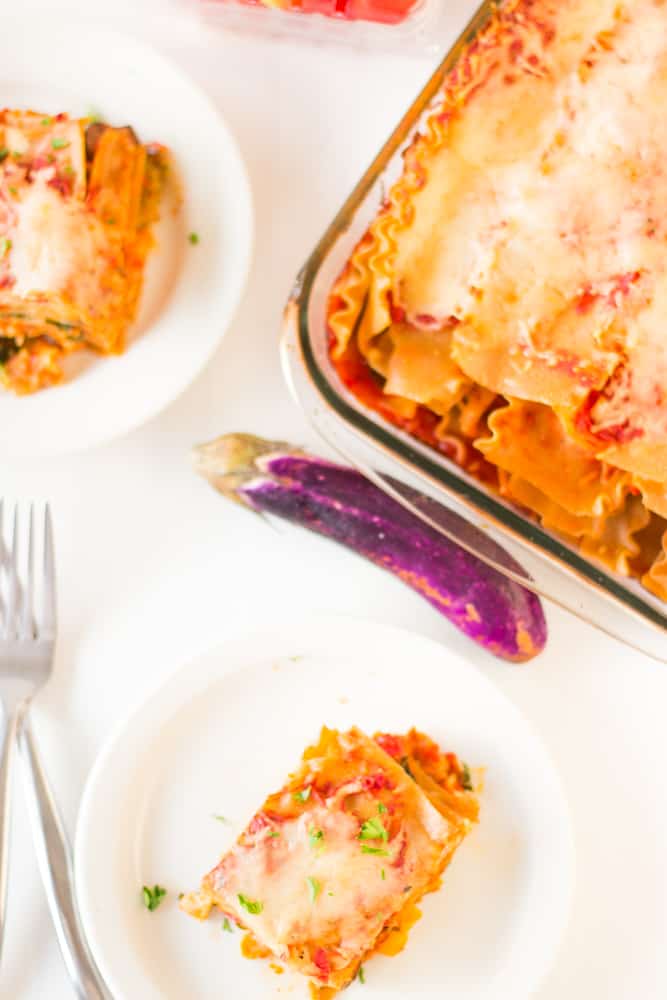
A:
x: 228, y: 728
x: 191, y: 292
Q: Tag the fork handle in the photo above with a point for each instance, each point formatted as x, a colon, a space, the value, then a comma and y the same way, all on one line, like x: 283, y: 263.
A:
x: 7, y: 741
x: 54, y: 858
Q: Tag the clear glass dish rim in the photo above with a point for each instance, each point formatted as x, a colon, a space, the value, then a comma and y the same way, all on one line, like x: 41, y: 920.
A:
x: 381, y: 433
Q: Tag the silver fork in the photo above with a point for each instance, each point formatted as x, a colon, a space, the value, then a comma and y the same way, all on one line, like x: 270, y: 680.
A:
x: 27, y: 645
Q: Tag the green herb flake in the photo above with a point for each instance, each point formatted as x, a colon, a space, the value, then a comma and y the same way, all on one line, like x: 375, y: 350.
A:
x: 193, y: 238
x: 303, y: 795
x: 68, y: 170
x: 226, y: 926
x: 361, y: 975
x: 316, y: 838
x: 46, y: 121
x: 153, y: 897
x: 382, y: 807
x: 16, y: 155
x: 250, y: 905
x: 274, y: 833
x: 59, y: 142
x: 4, y: 153
x: 59, y: 324
x: 380, y: 851
x: 13, y: 191
x: 5, y: 247
x: 314, y: 888
x: 383, y: 874
x: 373, y: 829
x: 466, y: 779
x: 220, y: 818
x: 94, y: 116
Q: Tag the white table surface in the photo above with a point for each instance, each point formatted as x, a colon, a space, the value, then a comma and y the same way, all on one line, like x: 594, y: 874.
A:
x: 154, y: 566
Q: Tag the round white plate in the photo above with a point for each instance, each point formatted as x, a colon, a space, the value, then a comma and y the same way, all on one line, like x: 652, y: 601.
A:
x: 227, y: 729
x: 191, y: 291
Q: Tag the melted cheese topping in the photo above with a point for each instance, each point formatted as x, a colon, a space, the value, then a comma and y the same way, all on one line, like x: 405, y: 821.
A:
x: 56, y: 246
x: 542, y: 224
x: 320, y: 882
x: 352, y: 898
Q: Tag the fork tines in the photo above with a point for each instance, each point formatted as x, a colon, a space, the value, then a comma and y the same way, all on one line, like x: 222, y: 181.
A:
x: 20, y: 602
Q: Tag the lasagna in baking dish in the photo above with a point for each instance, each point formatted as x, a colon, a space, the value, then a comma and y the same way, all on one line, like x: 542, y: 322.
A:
x: 331, y: 867
x: 77, y: 201
x: 508, y: 303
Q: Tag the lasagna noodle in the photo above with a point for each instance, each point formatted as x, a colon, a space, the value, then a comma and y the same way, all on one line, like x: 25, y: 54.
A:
x: 529, y: 440
x: 420, y: 367
x: 612, y: 538
x: 654, y: 495
x: 655, y: 579
x: 516, y: 271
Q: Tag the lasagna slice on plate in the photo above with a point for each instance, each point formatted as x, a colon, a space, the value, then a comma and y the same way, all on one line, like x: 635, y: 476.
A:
x: 77, y: 202
x: 330, y: 868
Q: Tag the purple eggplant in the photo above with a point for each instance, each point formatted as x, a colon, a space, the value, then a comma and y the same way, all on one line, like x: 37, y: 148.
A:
x: 273, y: 477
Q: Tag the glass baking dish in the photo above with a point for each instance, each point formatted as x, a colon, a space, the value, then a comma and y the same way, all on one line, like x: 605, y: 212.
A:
x: 618, y: 606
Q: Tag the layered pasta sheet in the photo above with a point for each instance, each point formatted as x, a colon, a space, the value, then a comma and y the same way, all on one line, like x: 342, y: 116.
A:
x: 508, y: 303
x: 77, y: 200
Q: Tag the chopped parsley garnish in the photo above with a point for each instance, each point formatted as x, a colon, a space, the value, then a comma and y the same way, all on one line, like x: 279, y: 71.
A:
x: 365, y: 849
x: 94, y: 116
x: 274, y: 833
x: 17, y: 155
x: 153, y: 897
x: 466, y: 779
x: 251, y: 905
x: 68, y: 170
x: 5, y: 246
x: 373, y: 829
x: 12, y: 190
x: 314, y: 888
x: 361, y: 975
x: 59, y: 324
x: 4, y: 153
x: 226, y: 926
x: 58, y: 142
x: 193, y: 238
x: 316, y: 838
x: 46, y: 121
x: 303, y: 795
x: 382, y: 807
x: 383, y: 874
x: 220, y: 818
